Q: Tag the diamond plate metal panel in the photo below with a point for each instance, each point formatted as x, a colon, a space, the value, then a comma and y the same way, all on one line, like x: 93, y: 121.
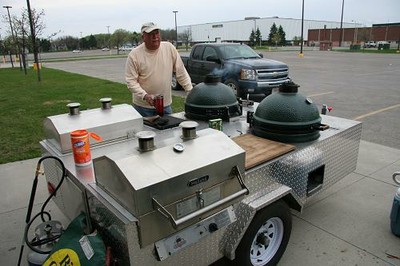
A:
x: 122, y: 235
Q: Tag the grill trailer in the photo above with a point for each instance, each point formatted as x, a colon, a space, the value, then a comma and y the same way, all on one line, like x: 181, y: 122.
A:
x: 169, y: 197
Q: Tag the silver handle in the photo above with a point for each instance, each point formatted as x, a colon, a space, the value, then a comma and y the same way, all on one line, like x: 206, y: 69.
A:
x: 176, y: 223
x: 397, y: 181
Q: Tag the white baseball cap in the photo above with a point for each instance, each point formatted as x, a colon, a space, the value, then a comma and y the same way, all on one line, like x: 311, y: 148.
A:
x: 149, y: 27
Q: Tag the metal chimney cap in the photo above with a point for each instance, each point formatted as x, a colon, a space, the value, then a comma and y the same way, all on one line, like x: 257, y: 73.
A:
x: 73, y: 105
x: 145, y: 135
x: 189, y: 124
x: 189, y: 129
x: 73, y: 108
x: 105, y: 100
x: 146, y: 140
x: 105, y: 103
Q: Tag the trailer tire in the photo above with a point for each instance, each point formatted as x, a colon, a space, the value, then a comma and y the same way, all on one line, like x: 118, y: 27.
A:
x: 265, y: 241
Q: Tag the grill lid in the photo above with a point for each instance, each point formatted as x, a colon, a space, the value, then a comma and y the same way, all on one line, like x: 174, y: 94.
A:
x: 287, y: 116
x: 111, y: 123
x: 211, y: 99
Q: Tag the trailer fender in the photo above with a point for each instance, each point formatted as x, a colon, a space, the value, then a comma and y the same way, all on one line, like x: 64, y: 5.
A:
x: 247, y: 209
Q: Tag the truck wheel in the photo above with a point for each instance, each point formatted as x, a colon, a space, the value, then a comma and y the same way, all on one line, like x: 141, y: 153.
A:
x: 266, y: 238
x: 175, y: 84
x: 234, y: 86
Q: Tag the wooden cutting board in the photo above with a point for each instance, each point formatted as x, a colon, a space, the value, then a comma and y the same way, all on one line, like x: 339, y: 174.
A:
x: 260, y: 150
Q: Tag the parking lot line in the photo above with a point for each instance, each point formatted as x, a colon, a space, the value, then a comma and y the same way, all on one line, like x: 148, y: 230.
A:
x: 319, y: 94
x: 376, y: 112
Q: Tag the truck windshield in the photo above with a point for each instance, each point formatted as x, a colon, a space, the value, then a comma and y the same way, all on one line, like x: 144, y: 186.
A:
x: 238, y: 51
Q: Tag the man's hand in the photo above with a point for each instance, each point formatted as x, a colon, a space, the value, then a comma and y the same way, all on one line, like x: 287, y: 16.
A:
x: 149, y: 99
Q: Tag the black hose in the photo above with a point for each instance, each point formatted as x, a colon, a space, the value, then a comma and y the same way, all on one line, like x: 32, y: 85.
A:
x: 31, y: 244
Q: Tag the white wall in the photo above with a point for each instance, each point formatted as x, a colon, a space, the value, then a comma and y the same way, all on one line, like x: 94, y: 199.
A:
x: 239, y: 30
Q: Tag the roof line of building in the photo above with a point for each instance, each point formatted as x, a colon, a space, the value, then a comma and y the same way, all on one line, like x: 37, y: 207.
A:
x: 259, y: 18
x: 386, y: 24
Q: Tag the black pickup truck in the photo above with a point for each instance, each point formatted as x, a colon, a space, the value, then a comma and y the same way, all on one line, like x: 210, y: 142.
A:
x: 239, y: 67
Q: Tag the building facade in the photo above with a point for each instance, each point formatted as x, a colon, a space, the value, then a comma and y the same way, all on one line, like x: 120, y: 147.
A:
x: 389, y: 32
x: 240, y: 30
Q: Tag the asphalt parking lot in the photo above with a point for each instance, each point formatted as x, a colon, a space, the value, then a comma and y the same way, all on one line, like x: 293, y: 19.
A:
x: 358, y: 86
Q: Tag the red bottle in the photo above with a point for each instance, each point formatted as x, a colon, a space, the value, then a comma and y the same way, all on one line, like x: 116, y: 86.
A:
x: 159, y: 104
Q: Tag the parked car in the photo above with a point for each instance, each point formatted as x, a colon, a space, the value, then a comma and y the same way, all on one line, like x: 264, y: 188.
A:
x: 105, y: 49
x: 239, y: 66
x: 126, y: 48
x: 383, y: 45
x: 77, y: 51
x: 370, y: 44
x: 382, y: 42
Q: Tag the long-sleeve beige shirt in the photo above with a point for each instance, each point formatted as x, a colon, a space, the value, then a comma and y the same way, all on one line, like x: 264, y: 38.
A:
x: 150, y: 72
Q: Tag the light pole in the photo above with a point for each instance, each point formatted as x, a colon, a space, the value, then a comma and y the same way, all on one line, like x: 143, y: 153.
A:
x: 176, y: 29
x: 341, y: 26
x: 109, y: 45
x: 12, y: 31
x: 355, y: 31
x: 302, y: 26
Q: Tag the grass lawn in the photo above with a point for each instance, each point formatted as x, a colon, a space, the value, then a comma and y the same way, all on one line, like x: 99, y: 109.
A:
x: 25, y: 102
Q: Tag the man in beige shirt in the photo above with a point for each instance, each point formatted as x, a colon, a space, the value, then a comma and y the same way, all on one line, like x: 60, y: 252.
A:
x: 149, y: 69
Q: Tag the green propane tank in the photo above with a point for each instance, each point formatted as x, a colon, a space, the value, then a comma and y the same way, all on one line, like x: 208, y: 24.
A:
x: 395, y: 213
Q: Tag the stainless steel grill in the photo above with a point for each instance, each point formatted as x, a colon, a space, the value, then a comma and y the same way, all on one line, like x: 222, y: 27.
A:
x: 169, y: 190
x: 116, y: 123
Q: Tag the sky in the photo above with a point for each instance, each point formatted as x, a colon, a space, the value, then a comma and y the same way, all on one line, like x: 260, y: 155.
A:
x: 84, y: 17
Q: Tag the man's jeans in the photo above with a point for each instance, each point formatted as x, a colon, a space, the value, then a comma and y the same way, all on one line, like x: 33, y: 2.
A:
x: 150, y: 111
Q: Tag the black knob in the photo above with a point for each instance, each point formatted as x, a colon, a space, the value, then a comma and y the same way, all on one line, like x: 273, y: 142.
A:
x: 289, y: 86
x: 212, y: 227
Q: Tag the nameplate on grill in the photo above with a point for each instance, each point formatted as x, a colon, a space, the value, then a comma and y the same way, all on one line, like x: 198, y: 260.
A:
x: 197, y: 181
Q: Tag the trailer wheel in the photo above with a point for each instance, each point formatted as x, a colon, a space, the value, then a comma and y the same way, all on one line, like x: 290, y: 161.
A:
x: 266, y: 238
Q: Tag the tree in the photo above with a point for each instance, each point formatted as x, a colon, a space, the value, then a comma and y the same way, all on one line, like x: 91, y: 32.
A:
x: 66, y: 43
x: 24, y: 32
x: 45, y: 45
x: 277, y: 36
x: 119, y: 37
x: 363, y: 34
x: 92, y: 42
x: 168, y: 35
x: 258, y: 36
x: 134, y: 38
x: 272, y: 32
x: 101, y: 40
x: 7, y: 44
x: 276, y: 39
x: 282, y: 35
x: 252, y: 38
x: 2, y: 47
x: 296, y: 40
x: 186, y: 37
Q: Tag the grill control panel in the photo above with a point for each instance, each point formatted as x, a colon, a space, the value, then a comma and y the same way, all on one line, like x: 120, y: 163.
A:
x: 192, y: 234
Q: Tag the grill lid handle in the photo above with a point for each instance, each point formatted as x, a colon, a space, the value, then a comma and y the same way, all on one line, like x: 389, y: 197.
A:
x: 176, y: 223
